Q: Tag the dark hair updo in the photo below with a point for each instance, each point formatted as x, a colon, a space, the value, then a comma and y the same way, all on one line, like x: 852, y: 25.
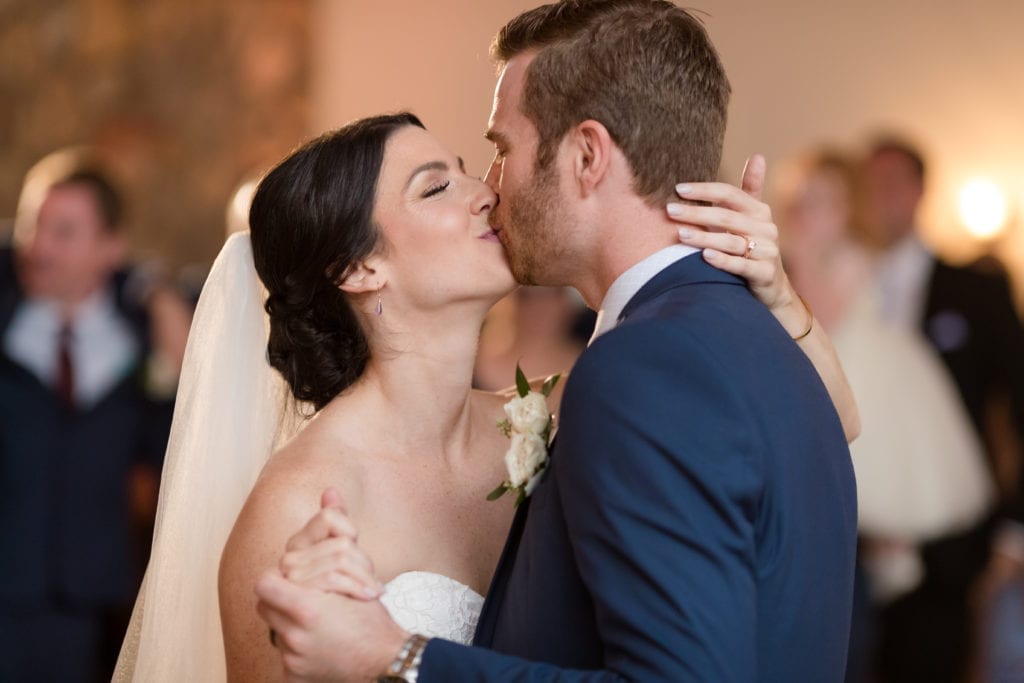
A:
x: 311, y: 219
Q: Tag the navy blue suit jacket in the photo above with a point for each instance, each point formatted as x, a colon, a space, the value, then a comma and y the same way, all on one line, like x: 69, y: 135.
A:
x: 697, y: 521
x: 64, y: 508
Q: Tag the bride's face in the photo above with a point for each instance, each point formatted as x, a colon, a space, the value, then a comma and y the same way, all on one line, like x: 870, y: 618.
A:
x: 439, y: 247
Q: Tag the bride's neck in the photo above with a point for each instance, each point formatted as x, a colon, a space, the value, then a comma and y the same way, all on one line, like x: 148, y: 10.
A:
x: 417, y: 385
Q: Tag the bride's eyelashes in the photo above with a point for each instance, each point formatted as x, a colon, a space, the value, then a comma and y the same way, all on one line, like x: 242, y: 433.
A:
x: 436, y: 188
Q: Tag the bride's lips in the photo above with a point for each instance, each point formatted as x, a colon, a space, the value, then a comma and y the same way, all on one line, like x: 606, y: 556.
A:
x: 490, y: 236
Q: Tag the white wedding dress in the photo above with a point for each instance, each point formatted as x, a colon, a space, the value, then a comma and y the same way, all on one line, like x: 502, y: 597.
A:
x: 920, y: 466
x: 232, y: 411
x: 433, y: 605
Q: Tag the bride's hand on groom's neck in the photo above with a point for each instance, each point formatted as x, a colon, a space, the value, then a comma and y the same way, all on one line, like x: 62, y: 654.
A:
x: 736, y: 232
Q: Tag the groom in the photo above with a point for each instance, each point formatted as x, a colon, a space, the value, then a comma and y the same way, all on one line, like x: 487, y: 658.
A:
x: 697, y: 520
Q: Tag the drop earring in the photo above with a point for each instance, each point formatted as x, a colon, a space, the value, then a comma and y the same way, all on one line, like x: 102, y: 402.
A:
x: 380, y: 304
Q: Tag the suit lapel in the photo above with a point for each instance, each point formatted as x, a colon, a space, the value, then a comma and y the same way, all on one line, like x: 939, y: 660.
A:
x: 484, y: 635
x: 485, y: 627
x: 935, y: 293
x: 690, y: 270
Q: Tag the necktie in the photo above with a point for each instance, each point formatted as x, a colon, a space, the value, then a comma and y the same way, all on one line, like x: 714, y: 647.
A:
x: 65, y: 369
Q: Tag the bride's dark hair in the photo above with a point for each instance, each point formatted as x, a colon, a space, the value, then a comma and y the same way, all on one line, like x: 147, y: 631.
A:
x: 311, y: 219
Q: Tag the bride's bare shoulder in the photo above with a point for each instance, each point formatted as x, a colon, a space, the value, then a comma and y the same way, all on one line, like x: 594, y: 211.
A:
x: 286, y: 494
x: 284, y: 498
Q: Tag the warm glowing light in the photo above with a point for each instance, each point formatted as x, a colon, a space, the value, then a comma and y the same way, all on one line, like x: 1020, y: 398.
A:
x: 983, y: 208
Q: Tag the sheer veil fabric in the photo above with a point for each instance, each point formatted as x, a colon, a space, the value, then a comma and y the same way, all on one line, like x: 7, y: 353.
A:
x: 232, y: 411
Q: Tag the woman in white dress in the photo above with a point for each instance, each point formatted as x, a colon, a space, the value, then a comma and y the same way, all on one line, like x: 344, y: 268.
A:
x: 375, y: 249
x: 920, y: 467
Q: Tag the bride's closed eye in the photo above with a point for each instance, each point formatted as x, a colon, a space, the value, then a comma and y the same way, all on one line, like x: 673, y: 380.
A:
x: 436, y: 188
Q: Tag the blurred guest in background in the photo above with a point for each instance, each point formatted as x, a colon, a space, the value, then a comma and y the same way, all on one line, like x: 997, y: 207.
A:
x: 88, y: 358
x: 532, y: 327
x: 968, y: 317
x: 921, y: 474
x: 966, y: 312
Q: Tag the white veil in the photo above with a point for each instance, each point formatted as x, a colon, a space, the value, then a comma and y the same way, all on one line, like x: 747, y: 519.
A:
x: 232, y: 411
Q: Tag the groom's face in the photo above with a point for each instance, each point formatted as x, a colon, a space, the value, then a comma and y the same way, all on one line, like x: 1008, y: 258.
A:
x: 530, y: 219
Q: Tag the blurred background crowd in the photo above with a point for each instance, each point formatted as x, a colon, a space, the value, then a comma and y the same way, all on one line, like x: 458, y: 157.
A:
x: 131, y: 138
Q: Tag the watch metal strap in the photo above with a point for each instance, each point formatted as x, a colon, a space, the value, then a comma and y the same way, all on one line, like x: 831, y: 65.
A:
x: 406, y: 666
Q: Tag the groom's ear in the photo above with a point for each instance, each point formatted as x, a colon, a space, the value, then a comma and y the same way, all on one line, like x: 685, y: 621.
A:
x: 363, y: 276
x: 590, y: 145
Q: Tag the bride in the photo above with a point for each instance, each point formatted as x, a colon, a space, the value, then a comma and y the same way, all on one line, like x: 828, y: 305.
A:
x: 379, y: 266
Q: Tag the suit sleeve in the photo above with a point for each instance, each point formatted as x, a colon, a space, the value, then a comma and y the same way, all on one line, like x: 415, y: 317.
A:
x: 1007, y: 340
x: 1003, y: 365
x: 660, y: 484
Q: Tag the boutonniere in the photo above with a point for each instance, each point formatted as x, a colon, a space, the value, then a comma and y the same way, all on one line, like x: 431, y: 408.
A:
x: 529, y: 424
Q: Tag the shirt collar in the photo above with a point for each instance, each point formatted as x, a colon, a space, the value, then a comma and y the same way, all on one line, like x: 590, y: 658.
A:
x: 903, y: 272
x: 632, y: 281
x: 910, y: 253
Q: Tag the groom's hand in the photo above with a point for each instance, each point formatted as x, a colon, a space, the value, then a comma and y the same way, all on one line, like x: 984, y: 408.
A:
x: 327, y: 637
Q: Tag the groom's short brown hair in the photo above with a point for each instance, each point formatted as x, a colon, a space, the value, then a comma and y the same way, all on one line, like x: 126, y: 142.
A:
x: 645, y: 69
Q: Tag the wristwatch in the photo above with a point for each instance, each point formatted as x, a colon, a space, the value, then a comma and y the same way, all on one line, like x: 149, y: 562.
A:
x: 406, y: 667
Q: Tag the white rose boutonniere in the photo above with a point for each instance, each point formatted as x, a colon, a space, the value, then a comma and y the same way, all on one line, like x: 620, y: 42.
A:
x: 528, y: 423
x: 528, y: 414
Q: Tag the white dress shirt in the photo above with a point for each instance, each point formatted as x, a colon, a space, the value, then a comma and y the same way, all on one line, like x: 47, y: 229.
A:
x: 903, y: 272
x: 632, y: 281
x: 103, y: 347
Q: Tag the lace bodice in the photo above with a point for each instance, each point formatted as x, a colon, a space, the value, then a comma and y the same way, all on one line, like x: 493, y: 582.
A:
x: 433, y: 605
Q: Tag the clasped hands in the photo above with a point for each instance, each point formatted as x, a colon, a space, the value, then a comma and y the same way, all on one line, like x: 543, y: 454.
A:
x: 322, y: 603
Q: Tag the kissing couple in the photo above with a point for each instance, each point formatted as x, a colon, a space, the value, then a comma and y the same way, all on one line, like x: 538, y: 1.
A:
x: 693, y: 516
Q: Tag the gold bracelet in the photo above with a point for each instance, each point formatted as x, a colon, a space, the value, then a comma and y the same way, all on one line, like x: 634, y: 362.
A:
x: 810, y: 322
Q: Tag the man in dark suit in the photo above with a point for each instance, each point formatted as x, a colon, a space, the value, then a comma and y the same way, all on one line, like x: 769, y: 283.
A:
x: 698, y: 517
x: 76, y: 425
x: 968, y: 316
x: 966, y: 312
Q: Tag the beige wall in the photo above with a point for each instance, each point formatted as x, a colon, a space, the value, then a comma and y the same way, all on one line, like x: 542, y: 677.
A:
x: 950, y: 74
x: 430, y: 57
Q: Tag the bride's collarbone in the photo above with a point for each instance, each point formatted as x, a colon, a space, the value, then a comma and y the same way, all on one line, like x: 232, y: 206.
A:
x: 424, y: 517
x: 424, y: 486
x: 458, y: 469
x: 432, y: 501
x: 402, y: 536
